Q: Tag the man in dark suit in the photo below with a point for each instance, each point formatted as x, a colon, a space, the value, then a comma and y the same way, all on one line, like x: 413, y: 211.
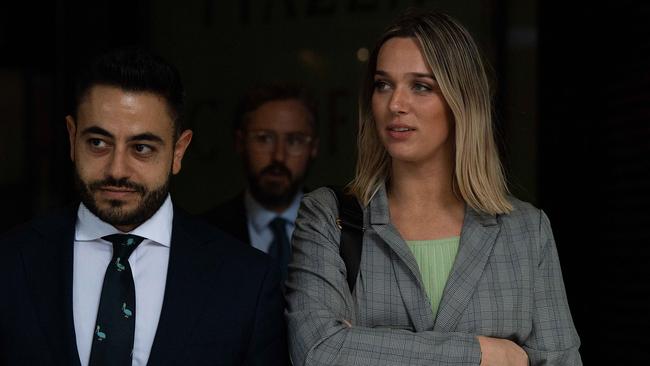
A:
x: 73, y: 283
x: 276, y: 136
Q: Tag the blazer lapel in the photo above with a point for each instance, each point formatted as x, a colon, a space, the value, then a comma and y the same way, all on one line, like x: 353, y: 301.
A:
x: 415, y: 298
x: 476, y: 243
x: 185, y: 291
x: 48, y: 266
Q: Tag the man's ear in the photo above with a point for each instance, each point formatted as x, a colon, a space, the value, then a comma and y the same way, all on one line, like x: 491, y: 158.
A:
x: 72, y: 131
x: 179, y: 150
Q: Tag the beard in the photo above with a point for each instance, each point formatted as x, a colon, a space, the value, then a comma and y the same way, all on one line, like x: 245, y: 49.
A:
x: 116, y: 214
x: 273, y: 193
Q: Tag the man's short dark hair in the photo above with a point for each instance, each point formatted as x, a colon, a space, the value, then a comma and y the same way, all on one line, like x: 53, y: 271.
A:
x: 271, y: 92
x: 134, y: 70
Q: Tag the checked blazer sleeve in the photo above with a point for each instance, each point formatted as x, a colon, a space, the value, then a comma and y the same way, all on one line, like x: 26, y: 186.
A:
x: 320, y: 307
x: 553, y: 339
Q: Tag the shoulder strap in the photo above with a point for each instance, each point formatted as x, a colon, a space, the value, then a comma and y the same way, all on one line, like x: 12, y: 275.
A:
x: 350, y: 221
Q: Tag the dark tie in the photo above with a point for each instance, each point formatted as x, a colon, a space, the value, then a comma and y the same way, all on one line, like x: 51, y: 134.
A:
x: 113, y: 336
x: 280, y: 246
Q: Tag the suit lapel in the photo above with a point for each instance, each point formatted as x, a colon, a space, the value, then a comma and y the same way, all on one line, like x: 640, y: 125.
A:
x: 48, y: 266
x: 185, y: 291
x: 476, y: 243
x: 414, y: 297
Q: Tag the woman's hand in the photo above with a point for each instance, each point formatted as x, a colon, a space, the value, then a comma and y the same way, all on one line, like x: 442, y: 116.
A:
x: 501, y: 352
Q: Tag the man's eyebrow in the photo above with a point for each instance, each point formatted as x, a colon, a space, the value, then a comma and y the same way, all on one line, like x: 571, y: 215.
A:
x: 147, y: 136
x: 96, y: 131
x: 415, y: 74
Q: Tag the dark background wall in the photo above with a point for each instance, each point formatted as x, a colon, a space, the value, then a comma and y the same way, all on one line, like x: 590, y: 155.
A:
x: 572, y: 96
x: 595, y: 169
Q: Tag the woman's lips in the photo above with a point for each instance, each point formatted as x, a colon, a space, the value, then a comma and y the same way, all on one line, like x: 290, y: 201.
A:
x: 400, y: 132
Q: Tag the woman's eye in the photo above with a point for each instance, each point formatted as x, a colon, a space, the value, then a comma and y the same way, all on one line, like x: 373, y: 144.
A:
x: 420, y: 87
x: 381, y: 85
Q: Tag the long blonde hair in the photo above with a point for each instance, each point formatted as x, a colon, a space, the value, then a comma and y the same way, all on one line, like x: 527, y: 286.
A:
x: 454, y: 59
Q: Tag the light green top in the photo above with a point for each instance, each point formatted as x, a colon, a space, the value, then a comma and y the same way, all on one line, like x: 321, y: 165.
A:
x: 435, y: 259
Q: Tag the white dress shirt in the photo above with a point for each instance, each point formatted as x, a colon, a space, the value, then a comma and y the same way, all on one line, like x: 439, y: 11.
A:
x: 149, y: 267
x: 259, y: 219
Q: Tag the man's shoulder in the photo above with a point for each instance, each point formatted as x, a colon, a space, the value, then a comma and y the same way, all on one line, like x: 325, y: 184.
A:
x: 50, y: 223
x: 228, y: 210
x: 204, y: 231
x: 230, y: 216
x: 217, y: 252
x: 40, y: 233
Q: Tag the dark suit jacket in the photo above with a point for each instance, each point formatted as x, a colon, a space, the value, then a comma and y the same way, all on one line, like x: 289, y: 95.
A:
x: 222, y: 303
x: 231, y: 217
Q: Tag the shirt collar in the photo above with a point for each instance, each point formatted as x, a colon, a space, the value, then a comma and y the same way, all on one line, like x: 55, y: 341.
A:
x: 157, y: 228
x: 260, y: 217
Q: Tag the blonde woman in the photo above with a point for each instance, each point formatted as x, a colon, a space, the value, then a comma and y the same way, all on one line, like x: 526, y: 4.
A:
x: 453, y: 270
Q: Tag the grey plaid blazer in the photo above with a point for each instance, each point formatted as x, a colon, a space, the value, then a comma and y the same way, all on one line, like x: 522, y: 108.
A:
x: 505, y: 282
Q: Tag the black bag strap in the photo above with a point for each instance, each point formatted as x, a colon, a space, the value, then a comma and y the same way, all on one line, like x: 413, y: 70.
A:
x: 350, y: 221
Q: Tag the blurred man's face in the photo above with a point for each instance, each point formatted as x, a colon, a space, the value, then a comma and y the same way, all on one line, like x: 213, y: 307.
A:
x: 123, y: 148
x: 277, y: 144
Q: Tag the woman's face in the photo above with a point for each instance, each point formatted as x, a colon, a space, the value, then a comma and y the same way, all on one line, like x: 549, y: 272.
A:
x: 411, y: 116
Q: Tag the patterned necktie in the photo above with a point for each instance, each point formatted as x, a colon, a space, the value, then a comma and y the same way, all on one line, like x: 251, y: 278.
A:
x: 115, y: 327
x: 280, y: 246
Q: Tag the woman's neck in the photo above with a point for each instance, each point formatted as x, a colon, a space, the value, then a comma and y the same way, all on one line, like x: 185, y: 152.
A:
x: 422, y: 202
x: 418, y: 185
